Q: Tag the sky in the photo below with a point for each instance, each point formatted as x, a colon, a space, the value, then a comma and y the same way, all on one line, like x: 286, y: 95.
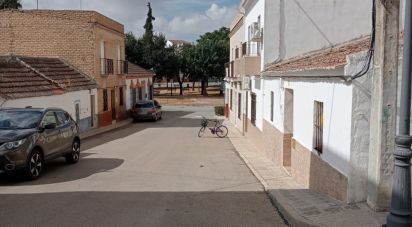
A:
x: 177, y: 19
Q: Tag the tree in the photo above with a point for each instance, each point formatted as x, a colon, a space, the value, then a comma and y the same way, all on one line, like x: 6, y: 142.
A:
x: 206, y: 60
x: 10, y: 4
x: 148, y: 35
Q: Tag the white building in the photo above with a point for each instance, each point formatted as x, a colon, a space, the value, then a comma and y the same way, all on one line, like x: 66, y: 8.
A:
x: 303, y: 111
x: 139, y: 85
x: 48, y: 82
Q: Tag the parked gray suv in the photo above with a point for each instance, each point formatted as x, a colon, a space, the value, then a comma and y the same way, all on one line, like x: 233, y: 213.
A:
x: 29, y: 137
x: 150, y: 109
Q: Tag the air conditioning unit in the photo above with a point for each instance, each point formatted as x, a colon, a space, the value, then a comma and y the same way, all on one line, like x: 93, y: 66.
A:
x: 256, y: 32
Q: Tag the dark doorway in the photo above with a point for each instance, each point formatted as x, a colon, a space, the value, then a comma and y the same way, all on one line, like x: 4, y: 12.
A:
x: 113, y: 98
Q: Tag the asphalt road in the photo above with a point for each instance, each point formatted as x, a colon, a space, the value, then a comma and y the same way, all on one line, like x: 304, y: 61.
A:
x: 145, y: 174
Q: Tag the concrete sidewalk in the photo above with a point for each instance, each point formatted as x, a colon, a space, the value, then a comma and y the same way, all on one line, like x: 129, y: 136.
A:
x: 300, y: 206
x: 98, y: 131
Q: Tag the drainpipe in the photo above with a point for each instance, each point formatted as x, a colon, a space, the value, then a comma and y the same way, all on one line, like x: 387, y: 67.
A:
x: 400, y: 211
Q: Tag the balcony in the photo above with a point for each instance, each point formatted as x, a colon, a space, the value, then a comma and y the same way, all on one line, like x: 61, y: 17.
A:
x: 122, y: 67
x: 256, y: 32
x: 251, y: 49
x: 106, y: 67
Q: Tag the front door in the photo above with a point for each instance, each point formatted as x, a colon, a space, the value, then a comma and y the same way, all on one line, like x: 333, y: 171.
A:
x: 50, y: 137
x: 65, y: 131
x: 113, y: 96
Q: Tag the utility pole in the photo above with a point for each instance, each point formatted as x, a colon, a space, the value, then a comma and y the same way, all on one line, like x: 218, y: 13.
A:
x: 383, y: 105
x: 400, y: 212
x: 37, y: 4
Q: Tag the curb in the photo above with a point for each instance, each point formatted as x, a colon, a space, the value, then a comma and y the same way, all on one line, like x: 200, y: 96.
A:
x: 98, y: 131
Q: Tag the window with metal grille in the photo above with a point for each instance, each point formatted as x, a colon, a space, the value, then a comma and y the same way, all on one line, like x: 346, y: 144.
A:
x: 105, y: 106
x: 239, y: 105
x: 121, y: 96
x: 253, y: 109
x: 231, y: 98
x: 318, y: 127
x: 107, y: 66
x: 272, y: 100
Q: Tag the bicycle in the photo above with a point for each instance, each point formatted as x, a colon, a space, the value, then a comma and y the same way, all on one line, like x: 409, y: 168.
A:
x: 218, y: 129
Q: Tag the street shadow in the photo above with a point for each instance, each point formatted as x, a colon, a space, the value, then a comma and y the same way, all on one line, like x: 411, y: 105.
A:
x: 58, y: 171
x: 140, y: 209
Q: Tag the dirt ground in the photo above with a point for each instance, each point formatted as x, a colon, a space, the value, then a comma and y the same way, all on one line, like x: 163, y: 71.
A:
x: 190, y: 97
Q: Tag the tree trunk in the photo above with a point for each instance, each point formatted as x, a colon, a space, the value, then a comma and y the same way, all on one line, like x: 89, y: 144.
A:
x: 181, y: 87
x: 204, y: 88
x: 193, y: 86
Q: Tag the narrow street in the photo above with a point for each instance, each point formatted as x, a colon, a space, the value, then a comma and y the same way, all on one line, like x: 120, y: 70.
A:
x: 145, y: 174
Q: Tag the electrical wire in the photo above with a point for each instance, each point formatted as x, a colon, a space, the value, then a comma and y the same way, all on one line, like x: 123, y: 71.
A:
x: 371, y: 50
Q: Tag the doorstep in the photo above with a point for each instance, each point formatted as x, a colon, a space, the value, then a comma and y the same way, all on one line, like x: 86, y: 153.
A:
x: 111, y: 127
x: 299, y: 205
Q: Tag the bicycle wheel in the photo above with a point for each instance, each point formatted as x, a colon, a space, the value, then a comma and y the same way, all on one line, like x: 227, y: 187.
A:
x: 222, y: 131
x: 201, y: 131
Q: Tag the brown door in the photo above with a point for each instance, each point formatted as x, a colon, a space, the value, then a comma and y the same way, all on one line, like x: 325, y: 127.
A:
x: 113, y: 97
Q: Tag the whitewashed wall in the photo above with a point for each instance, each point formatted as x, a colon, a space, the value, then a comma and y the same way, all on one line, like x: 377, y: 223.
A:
x: 295, y: 27
x: 251, y: 16
x: 65, y: 101
x: 145, y: 90
x: 337, y: 103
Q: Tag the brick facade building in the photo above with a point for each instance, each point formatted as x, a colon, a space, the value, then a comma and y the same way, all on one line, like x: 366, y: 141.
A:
x: 87, y: 40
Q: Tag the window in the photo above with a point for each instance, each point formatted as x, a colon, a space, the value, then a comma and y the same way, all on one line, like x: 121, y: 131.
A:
x: 257, y: 83
x: 62, y: 118
x: 272, y: 100
x: 239, y: 105
x: 253, y: 109
x: 231, y: 98
x: 121, y: 95
x: 49, y: 118
x: 318, y: 127
x: 105, y: 106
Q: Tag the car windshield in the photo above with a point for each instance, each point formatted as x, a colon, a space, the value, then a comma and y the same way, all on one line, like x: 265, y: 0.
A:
x: 144, y: 105
x: 19, y: 119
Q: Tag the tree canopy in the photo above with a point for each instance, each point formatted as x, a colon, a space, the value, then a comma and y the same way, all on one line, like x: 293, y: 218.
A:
x: 10, y: 4
x: 202, y: 61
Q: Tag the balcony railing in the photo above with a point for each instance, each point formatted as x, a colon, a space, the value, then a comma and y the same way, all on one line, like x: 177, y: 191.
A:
x: 106, y: 67
x: 251, y: 49
x: 122, y: 67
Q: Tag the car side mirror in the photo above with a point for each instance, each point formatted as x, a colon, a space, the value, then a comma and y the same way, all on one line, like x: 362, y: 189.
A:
x: 50, y: 126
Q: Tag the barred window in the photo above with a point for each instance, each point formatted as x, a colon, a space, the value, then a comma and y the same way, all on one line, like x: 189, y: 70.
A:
x: 318, y: 127
x: 105, y: 106
x: 239, y: 105
x: 272, y: 100
x: 253, y: 109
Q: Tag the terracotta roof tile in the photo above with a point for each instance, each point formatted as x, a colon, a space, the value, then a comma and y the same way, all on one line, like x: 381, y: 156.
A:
x: 22, y: 77
x: 138, y: 71
x: 323, y: 59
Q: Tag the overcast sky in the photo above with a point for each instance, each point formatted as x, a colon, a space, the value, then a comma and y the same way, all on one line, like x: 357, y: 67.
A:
x: 177, y: 19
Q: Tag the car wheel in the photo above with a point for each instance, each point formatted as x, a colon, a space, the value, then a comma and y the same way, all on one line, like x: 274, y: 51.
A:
x: 34, y: 165
x: 74, y: 155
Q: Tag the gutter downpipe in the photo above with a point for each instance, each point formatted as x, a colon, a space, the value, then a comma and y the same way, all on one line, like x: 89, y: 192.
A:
x: 400, y: 211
